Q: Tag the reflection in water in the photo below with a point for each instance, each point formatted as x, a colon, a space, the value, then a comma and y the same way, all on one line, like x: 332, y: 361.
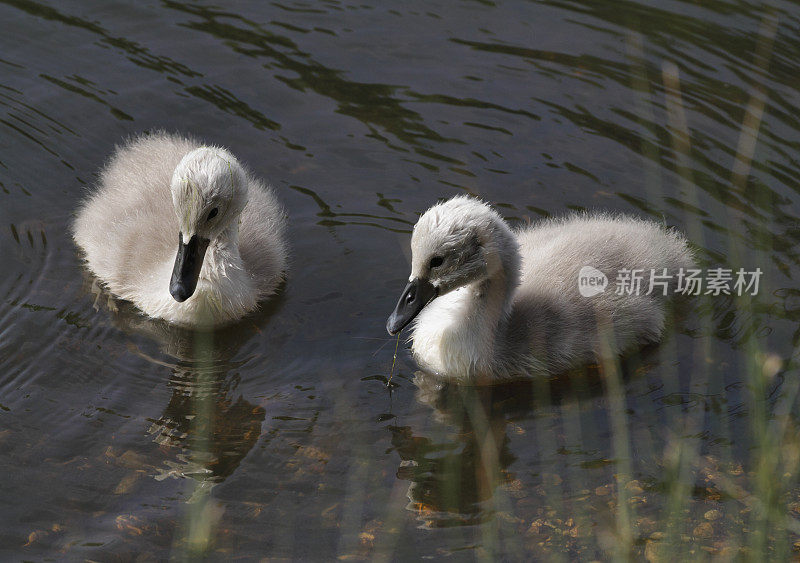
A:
x: 205, y: 420
x: 213, y: 427
x: 453, y: 482
x: 206, y: 428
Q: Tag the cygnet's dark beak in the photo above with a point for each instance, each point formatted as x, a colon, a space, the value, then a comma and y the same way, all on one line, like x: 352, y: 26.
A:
x: 417, y: 294
x: 188, y: 264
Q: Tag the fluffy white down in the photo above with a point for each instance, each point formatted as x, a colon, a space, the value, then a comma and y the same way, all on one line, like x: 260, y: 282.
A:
x: 525, y: 315
x: 128, y: 229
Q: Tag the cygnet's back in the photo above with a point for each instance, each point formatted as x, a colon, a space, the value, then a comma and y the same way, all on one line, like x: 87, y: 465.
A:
x: 551, y: 316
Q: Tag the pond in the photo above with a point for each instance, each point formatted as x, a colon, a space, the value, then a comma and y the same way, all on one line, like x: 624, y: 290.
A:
x: 124, y: 438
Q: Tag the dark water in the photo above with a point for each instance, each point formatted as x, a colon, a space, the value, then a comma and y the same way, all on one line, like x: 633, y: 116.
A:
x: 122, y: 438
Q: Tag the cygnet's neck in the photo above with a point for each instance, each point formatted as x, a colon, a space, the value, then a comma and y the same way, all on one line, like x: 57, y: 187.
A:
x: 223, y: 254
x: 491, y: 299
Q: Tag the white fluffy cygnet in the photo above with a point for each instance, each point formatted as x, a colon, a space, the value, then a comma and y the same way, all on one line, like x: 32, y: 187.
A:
x: 490, y: 302
x: 183, y: 231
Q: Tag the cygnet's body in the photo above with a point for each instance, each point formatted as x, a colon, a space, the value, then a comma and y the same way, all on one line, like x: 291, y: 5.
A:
x: 489, y: 302
x: 183, y: 231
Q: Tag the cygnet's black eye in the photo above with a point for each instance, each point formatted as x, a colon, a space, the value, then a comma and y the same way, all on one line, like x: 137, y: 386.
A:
x: 436, y: 261
x: 212, y: 214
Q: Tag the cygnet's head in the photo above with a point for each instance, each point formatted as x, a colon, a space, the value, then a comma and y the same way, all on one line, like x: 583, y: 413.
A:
x: 458, y: 242
x: 209, y: 191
